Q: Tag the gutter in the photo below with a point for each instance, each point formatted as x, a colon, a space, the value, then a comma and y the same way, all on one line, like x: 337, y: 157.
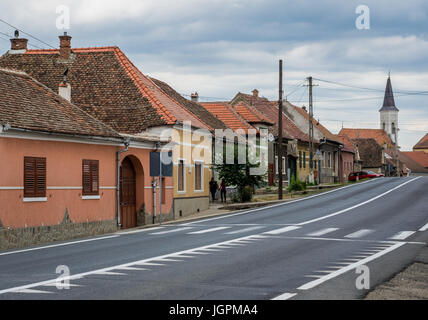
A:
x: 126, y: 142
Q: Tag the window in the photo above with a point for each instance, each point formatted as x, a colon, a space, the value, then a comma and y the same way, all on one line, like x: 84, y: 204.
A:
x: 323, y: 160
x: 198, y: 176
x: 34, y: 177
x: 276, y: 165
x: 90, y: 177
x: 304, y: 159
x: 328, y: 160
x: 300, y: 159
x: 181, y: 176
x: 283, y: 165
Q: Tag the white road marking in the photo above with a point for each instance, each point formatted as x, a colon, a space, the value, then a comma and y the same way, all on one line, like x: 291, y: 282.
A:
x: 322, y: 232
x: 55, y: 285
x: 285, y: 296
x: 402, y: 235
x: 424, y: 228
x: 30, y: 291
x: 131, y: 268
x: 208, y: 230
x: 352, y: 266
x: 281, y: 230
x: 359, y: 234
x: 279, y: 204
x: 170, y: 231
x: 357, y: 205
x: 244, y: 230
x: 57, y: 245
x: 139, y: 230
x: 110, y: 269
x: 110, y: 273
x: 150, y: 264
x: 168, y: 260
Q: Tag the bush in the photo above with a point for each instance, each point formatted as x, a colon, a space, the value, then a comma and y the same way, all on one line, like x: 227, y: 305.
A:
x: 296, y: 185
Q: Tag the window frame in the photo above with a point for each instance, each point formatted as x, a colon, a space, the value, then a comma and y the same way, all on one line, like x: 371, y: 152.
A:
x: 201, y: 164
x: 85, y: 191
x: 35, y: 195
x: 183, y: 161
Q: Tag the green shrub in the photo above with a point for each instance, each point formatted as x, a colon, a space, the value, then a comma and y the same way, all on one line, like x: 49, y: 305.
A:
x: 296, y: 185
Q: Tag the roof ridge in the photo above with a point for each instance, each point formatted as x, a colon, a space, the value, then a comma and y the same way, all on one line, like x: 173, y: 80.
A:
x: 134, y: 73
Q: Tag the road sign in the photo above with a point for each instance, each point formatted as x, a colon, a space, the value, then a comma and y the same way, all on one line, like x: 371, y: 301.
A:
x: 155, y: 160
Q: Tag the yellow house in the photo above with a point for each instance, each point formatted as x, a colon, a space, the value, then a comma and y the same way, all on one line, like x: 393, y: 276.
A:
x: 422, y: 144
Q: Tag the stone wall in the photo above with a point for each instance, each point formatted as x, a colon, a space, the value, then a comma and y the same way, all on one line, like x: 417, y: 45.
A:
x: 24, y: 237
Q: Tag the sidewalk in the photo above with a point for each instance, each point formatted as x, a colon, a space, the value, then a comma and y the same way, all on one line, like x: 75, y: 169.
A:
x: 410, y: 284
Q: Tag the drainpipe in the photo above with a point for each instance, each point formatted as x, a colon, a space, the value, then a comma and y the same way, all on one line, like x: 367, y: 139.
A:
x: 154, y: 185
x: 118, y: 153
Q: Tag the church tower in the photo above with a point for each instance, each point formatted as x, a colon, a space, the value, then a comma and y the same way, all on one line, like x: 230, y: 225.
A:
x: 389, y: 113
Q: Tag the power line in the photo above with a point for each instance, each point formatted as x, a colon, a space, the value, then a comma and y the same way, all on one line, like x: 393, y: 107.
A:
x: 370, y: 89
x: 10, y: 37
x: 35, y: 38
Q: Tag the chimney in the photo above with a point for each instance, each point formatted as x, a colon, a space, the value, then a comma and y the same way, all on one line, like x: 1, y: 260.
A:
x: 64, y: 46
x: 304, y: 108
x: 18, y: 45
x: 64, y: 88
x: 255, y: 93
x: 194, y: 97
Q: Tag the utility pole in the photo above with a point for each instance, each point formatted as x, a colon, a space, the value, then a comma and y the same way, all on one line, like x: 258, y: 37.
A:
x: 280, y: 133
x: 396, y: 152
x: 311, y: 130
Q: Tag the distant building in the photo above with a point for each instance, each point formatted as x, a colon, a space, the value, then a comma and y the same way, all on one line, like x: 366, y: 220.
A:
x: 422, y: 144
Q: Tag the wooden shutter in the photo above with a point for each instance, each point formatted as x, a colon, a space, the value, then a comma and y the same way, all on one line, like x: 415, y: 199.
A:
x: 34, y: 177
x: 90, y: 177
x: 181, y: 175
x: 198, y: 176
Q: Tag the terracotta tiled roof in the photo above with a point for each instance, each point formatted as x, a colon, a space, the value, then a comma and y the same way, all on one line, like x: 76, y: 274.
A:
x: 370, y: 152
x: 251, y: 114
x: 270, y: 110
x: 106, y: 84
x: 225, y: 112
x: 317, y: 125
x: 348, y: 145
x: 418, y: 156
x: 195, y: 108
x: 411, y: 163
x: 423, y: 143
x: 27, y: 104
x: 379, y: 135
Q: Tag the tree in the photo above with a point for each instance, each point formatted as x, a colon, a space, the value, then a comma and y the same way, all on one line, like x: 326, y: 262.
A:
x: 238, y: 174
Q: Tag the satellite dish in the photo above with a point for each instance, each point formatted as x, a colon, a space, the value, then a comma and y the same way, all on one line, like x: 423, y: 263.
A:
x: 16, y: 34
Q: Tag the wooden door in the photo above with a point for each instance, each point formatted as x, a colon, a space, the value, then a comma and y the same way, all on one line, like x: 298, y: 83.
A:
x: 128, y: 211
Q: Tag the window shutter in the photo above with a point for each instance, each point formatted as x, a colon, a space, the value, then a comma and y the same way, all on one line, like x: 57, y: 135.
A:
x: 90, y: 177
x: 34, y: 177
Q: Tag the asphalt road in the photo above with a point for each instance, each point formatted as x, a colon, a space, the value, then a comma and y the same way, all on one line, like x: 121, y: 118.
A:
x: 304, y: 249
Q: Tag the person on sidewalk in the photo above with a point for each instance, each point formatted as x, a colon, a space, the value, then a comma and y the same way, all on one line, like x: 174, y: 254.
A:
x: 223, y: 191
x: 213, y: 188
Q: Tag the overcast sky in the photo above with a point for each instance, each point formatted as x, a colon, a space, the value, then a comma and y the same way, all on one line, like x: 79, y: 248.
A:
x: 220, y: 47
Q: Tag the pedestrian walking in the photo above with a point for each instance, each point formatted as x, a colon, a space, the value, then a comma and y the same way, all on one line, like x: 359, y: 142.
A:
x: 223, y: 191
x: 213, y: 188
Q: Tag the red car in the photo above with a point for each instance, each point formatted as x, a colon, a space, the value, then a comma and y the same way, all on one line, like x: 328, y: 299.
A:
x: 363, y: 175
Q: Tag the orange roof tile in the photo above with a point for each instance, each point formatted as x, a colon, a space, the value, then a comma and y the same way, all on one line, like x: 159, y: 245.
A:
x: 169, y: 109
x: 379, y: 135
x: 418, y: 156
x: 251, y: 114
x: 225, y: 112
x: 422, y: 144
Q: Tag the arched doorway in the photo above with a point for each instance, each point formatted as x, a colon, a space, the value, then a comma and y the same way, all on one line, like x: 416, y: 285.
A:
x: 128, y: 210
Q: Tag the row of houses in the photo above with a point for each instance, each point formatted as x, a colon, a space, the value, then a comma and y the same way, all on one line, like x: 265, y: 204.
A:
x: 78, y: 125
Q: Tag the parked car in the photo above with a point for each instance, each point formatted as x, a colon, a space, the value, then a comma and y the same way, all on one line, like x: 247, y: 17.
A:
x: 363, y: 175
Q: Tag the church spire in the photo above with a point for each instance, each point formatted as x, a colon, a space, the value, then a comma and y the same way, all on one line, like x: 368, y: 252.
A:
x: 388, y: 100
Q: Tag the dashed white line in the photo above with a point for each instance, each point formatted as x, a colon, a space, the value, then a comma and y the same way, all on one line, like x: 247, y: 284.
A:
x: 285, y: 296
x: 359, y: 234
x: 402, y: 235
x: 424, y: 228
x: 322, y: 232
x: 244, y: 230
x: 170, y: 231
x: 31, y: 291
x: 209, y: 230
x: 282, y: 230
